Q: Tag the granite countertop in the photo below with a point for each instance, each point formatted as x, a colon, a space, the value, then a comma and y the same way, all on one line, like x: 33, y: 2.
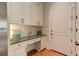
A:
x: 26, y: 38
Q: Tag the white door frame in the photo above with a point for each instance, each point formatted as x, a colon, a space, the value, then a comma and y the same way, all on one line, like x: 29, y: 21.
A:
x: 73, y: 4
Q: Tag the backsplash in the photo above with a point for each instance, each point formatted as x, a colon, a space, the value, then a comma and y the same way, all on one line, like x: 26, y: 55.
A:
x: 25, y: 30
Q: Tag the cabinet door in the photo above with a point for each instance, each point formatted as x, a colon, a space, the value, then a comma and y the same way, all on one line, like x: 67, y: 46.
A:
x: 15, y: 10
x: 43, y: 43
x: 18, y: 49
x: 35, y: 13
x: 19, y: 52
x: 40, y: 14
x: 46, y: 14
x: 28, y: 13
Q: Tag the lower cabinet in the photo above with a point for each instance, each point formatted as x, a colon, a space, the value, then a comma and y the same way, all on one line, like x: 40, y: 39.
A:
x: 19, y: 52
x: 43, y: 42
x: 18, y: 49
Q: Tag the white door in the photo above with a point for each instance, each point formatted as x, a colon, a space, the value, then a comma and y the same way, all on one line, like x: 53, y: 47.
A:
x: 77, y: 26
x: 60, y: 19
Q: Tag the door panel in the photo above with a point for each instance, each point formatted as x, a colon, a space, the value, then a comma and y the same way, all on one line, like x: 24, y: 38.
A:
x: 60, y: 19
x: 28, y: 13
x: 77, y: 21
x: 35, y: 13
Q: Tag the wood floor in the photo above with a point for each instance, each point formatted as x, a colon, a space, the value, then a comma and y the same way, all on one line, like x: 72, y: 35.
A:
x: 47, y: 52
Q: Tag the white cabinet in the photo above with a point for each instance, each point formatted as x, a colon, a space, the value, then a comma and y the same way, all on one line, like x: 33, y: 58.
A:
x: 28, y: 13
x: 37, y: 14
x: 15, y: 12
x: 43, y: 42
x: 25, y: 13
x: 18, y: 49
x: 33, y: 41
x: 40, y: 14
x: 46, y: 14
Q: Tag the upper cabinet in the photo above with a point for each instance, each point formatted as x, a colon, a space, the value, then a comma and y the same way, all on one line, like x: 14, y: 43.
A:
x: 46, y: 14
x: 37, y: 14
x: 15, y: 12
x: 40, y: 14
x: 29, y: 13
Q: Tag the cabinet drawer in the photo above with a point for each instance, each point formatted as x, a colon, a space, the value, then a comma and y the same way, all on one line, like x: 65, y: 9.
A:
x: 15, y: 46
x: 20, y: 51
x: 33, y: 41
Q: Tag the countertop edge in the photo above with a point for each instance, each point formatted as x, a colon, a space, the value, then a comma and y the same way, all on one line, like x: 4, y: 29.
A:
x: 27, y: 40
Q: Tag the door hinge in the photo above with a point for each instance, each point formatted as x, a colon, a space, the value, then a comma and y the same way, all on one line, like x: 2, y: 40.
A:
x: 76, y: 29
x: 71, y: 29
x: 76, y: 17
x: 76, y: 54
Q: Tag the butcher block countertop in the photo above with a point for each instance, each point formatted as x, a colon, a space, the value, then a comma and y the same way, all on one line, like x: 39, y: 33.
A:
x: 22, y: 39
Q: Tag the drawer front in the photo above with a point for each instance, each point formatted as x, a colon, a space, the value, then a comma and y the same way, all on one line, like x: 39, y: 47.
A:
x: 18, y: 49
x: 33, y: 41
x: 21, y: 51
x: 14, y: 46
